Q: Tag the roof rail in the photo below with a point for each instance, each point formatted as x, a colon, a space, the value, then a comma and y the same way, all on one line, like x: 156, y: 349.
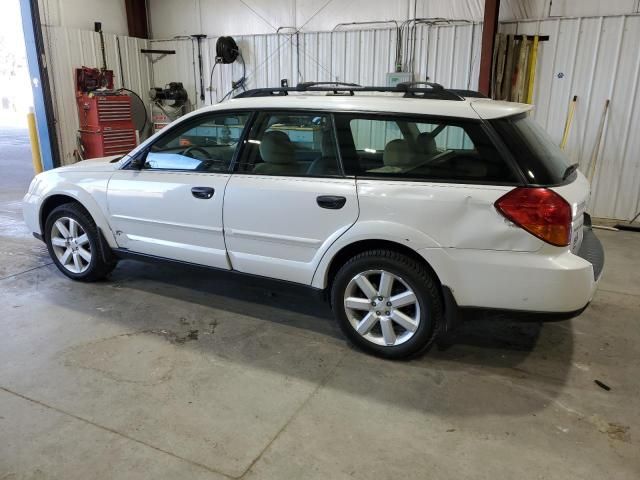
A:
x: 432, y: 85
x: 468, y: 93
x: 410, y: 89
x: 430, y: 90
x: 305, y: 85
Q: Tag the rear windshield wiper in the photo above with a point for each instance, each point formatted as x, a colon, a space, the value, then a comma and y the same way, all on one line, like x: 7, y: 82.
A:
x: 570, y: 169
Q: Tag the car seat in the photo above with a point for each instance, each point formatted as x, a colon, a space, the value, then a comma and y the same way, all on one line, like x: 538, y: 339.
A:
x: 397, y: 158
x: 278, y: 155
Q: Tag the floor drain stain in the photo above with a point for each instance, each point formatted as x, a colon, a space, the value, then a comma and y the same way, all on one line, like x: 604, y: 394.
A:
x: 176, y: 338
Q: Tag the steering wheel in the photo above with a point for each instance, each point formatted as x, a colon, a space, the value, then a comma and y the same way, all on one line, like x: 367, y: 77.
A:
x: 194, y: 148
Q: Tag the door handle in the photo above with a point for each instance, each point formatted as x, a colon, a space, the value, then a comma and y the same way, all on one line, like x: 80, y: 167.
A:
x: 202, y: 192
x: 332, y: 202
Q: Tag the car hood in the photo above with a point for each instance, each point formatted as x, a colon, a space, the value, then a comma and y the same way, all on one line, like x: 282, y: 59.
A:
x: 103, y: 164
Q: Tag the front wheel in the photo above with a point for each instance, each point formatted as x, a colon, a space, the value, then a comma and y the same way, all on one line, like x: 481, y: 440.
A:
x: 74, y: 244
x: 386, y: 303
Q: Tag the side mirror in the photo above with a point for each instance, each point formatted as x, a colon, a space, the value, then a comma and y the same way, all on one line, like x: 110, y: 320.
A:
x: 137, y: 163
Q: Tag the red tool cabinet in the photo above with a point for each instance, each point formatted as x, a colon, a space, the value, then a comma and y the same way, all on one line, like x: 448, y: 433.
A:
x: 106, y: 119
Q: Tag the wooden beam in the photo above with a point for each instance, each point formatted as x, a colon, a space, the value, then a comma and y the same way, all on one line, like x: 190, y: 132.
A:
x: 137, y: 22
x: 489, y: 30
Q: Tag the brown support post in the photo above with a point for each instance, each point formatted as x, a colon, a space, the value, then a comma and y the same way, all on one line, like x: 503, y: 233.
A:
x: 137, y: 18
x: 489, y: 29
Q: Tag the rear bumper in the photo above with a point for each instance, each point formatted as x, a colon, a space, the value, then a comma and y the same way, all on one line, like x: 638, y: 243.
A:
x: 591, y: 250
x: 550, y: 282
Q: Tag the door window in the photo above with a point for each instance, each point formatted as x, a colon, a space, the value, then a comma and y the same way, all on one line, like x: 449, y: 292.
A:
x: 206, y: 144
x: 291, y: 144
x: 448, y: 150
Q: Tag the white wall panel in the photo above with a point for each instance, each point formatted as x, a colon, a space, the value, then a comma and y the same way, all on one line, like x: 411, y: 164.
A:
x: 448, y: 54
x: 593, y: 57
x: 596, y: 59
x: 68, y: 49
x: 80, y: 14
x: 251, y: 17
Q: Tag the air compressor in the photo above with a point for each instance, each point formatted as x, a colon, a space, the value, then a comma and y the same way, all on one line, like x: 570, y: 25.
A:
x: 167, y: 104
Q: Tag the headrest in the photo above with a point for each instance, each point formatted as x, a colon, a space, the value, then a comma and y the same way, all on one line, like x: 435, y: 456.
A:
x: 275, y: 147
x: 397, y: 154
x: 426, y: 143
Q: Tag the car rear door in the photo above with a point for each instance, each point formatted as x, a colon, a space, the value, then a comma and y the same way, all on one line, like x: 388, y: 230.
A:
x: 172, y: 207
x: 288, y: 200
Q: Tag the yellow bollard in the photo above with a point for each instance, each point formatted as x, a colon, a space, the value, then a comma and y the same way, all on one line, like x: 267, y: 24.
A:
x: 35, y: 144
x: 533, y: 60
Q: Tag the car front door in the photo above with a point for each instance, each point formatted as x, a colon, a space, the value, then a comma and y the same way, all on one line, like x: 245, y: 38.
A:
x: 171, y: 207
x: 288, y: 200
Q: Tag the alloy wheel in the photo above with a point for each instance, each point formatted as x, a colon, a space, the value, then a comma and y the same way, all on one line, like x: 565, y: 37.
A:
x: 71, y: 245
x: 382, y: 307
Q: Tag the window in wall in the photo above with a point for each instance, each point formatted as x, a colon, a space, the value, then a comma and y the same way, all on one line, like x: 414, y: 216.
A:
x: 291, y: 143
x: 206, y: 144
x: 432, y: 149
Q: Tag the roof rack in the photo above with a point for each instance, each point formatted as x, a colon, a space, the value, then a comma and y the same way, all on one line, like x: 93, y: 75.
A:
x: 410, y: 89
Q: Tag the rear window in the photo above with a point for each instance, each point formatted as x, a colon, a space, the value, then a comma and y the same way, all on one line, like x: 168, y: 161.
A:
x: 541, y: 160
x: 445, y: 150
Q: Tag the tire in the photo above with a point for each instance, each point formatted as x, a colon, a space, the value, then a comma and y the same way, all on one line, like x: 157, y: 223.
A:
x: 384, y: 331
x: 66, y: 249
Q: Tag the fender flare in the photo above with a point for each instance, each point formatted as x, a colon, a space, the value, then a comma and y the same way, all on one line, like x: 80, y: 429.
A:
x: 371, y: 231
x: 87, y: 201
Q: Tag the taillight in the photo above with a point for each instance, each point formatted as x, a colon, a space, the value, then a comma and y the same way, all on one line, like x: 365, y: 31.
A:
x: 540, y: 211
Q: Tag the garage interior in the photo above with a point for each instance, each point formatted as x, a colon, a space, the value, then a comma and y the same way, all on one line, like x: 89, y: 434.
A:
x: 161, y: 372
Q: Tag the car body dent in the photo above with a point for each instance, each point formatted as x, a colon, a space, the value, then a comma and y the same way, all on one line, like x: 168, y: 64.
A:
x: 367, y: 230
x: 454, y: 215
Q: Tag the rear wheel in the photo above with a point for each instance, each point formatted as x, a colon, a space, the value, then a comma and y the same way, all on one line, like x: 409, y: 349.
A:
x: 74, y: 244
x: 387, y: 303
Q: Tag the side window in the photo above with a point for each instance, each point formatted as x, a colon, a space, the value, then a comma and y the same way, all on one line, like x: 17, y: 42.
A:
x: 291, y: 143
x: 447, y: 150
x: 449, y: 137
x: 372, y: 134
x: 206, y: 144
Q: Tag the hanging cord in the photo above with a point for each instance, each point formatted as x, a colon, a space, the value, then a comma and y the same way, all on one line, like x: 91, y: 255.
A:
x: 120, y: 61
x: 144, y: 125
x: 240, y: 83
x: 215, y: 64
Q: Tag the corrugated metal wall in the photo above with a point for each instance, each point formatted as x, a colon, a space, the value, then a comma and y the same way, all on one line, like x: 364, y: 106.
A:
x: 68, y: 49
x: 446, y: 54
x: 596, y: 59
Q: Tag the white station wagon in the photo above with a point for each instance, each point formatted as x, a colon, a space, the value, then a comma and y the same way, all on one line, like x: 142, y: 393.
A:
x: 406, y: 205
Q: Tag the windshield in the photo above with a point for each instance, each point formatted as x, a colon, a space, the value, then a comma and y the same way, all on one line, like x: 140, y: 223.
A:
x: 541, y: 160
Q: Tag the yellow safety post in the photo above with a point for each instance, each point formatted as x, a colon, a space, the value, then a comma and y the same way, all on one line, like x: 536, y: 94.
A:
x: 35, y: 143
x: 533, y: 58
x: 567, y: 124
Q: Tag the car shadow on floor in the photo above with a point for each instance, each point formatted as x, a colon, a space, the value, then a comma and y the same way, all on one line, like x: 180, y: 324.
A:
x: 524, y: 363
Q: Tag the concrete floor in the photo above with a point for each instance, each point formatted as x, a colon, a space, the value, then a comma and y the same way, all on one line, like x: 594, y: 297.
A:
x: 161, y: 373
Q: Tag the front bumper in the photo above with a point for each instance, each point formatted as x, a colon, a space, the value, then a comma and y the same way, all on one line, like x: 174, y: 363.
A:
x: 30, y: 213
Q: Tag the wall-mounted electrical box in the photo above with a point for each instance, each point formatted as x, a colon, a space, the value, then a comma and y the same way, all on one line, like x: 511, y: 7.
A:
x: 394, y: 78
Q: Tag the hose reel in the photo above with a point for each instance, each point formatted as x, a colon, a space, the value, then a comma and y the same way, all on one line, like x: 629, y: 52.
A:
x: 226, y: 50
